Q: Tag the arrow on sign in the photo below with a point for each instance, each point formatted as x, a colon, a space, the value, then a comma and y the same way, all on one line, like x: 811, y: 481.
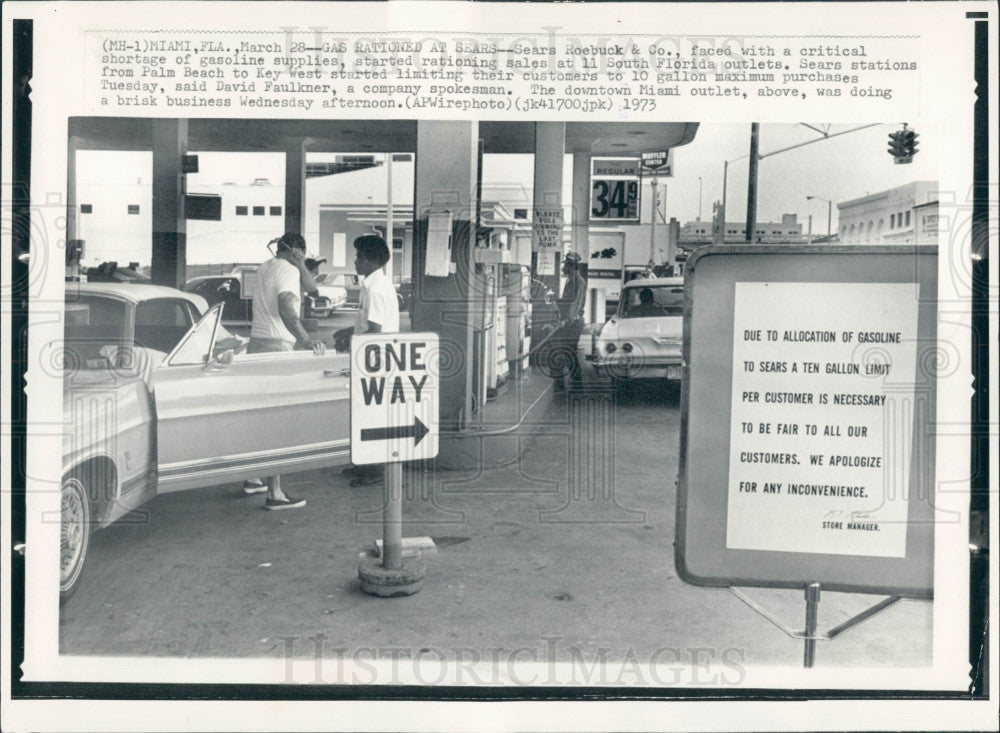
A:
x: 417, y: 430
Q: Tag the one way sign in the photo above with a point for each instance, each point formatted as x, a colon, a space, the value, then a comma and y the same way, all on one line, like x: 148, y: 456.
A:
x: 394, y: 397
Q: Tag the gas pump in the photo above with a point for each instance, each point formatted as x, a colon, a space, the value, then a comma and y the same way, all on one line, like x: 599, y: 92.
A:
x: 503, y: 330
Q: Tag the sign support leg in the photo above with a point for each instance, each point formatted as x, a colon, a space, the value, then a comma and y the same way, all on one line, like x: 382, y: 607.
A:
x: 392, y: 519
x: 812, y: 617
x: 810, y: 635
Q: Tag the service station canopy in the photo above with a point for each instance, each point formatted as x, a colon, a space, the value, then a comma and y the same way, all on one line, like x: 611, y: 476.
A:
x: 398, y: 136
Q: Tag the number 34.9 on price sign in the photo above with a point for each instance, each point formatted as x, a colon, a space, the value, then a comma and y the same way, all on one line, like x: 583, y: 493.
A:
x: 614, y: 199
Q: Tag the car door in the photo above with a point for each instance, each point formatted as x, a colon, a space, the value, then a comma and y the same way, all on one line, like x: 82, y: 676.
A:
x: 229, y: 417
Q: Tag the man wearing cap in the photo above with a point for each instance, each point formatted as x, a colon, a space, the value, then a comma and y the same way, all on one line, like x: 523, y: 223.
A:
x: 277, y: 327
x: 574, y: 292
x: 571, y: 306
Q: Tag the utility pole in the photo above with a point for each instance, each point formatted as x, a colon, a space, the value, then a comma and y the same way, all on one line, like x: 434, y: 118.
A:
x: 725, y: 181
x: 752, y: 181
x: 829, y: 214
x: 756, y: 157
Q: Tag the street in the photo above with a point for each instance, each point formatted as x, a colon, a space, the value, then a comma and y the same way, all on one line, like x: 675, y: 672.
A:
x: 523, y: 563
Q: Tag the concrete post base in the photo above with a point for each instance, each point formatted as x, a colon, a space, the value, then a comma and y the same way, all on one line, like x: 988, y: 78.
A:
x: 377, y: 580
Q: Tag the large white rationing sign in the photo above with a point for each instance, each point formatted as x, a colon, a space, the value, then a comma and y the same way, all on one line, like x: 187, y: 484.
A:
x: 807, y: 449
x: 819, y: 440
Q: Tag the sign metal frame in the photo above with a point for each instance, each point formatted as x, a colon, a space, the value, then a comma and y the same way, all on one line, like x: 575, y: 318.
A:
x: 400, y: 432
x: 701, y: 556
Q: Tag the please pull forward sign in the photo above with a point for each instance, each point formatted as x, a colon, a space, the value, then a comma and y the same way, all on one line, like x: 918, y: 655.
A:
x: 394, y: 397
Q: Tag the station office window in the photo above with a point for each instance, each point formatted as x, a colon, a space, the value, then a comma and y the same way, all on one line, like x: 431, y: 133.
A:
x: 86, y: 209
x: 258, y: 211
x: 275, y: 211
x: 892, y: 221
x: 907, y: 219
x: 520, y: 213
x: 241, y: 211
x: 133, y: 209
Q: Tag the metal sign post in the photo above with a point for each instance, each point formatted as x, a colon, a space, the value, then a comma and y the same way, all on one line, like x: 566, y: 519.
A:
x: 392, y: 521
x: 394, y: 417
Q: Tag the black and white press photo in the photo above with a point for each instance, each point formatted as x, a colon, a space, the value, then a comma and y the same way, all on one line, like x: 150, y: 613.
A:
x: 388, y: 354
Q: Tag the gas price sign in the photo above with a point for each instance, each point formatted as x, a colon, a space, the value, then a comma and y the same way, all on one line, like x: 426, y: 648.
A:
x: 616, y: 200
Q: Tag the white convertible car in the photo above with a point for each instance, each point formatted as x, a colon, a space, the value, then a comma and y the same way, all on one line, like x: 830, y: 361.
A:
x: 643, y: 339
x: 157, y: 399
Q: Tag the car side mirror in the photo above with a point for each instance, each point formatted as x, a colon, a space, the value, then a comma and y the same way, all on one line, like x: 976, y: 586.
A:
x: 220, y: 361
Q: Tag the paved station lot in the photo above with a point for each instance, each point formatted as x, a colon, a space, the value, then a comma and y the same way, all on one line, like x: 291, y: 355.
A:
x: 523, y: 563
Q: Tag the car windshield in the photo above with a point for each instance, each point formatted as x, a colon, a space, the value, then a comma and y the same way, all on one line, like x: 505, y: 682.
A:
x: 91, y: 324
x: 652, y: 301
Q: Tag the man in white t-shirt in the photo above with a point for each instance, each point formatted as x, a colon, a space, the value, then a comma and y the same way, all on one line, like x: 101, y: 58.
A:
x: 278, y: 300
x: 276, y: 327
x: 378, y: 312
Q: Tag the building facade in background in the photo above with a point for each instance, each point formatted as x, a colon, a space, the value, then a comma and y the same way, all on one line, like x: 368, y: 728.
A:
x: 906, y: 214
x: 788, y: 230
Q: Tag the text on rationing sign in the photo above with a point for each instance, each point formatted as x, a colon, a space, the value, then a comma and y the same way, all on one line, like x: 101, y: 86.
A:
x: 384, y: 359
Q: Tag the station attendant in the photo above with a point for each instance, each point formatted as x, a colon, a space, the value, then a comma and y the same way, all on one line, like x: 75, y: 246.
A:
x: 378, y: 312
x: 571, y: 305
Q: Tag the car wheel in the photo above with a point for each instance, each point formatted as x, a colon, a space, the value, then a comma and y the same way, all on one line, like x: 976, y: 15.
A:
x: 74, y: 538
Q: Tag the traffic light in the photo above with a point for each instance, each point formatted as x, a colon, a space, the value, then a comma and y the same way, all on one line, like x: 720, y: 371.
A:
x: 897, y: 148
x: 903, y: 145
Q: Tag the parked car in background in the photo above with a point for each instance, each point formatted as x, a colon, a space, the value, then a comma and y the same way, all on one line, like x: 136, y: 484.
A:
x: 225, y: 289
x: 335, y: 295
x: 351, y: 283
x: 159, y: 397
x: 228, y: 289
x: 644, y: 338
